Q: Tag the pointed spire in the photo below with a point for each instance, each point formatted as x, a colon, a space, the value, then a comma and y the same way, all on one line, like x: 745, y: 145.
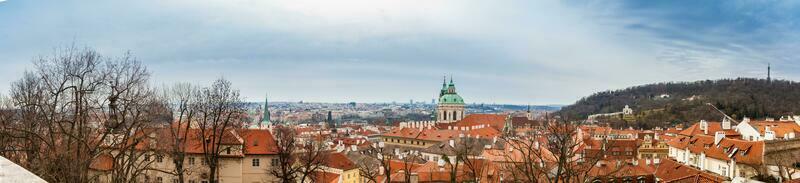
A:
x: 451, y: 79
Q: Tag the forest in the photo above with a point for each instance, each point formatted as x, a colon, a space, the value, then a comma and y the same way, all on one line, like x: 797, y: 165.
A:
x: 670, y: 103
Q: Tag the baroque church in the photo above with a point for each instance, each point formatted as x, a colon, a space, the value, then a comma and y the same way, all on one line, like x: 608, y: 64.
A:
x: 451, y: 106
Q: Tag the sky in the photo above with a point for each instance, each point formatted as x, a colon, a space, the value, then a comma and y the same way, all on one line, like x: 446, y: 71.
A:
x: 514, y: 52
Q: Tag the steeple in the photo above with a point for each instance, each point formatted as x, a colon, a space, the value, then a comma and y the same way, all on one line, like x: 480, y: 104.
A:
x: 444, y: 86
x: 451, y: 88
x: 528, y: 114
x: 331, y: 124
x: 265, y: 121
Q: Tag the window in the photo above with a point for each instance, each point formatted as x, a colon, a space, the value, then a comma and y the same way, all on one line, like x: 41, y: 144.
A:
x: 159, y: 179
x: 256, y: 162
x: 228, y: 150
x: 146, y: 157
x: 275, y: 162
x: 191, y: 161
x: 159, y: 158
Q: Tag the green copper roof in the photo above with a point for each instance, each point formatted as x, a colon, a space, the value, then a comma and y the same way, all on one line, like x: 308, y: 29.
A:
x: 448, y: 94
x: 451, y: 98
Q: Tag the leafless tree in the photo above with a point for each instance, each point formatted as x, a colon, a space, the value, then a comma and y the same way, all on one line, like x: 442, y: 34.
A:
x: 369, y: 168
x: 74, y: 106
x: 219, y: 110
x: 410, y: 159
x: 552, y: 155
x: 181, y: 101
x: 465, y: 159
x: 310, y: 158
x: 377, y: 152
x: 285, y: 170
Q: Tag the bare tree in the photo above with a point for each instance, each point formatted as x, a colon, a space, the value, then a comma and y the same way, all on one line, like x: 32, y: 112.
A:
x: 381, y: 158
x: 310, y: 158
x: 410, y: 159
x: 74, y: 106
x: 181, y: 102
x: 465, y: 152
x: 369, y: 168
x: 554, y: 154
x: 285, y: 170
x: 297, y: 160
x: 219, y: 110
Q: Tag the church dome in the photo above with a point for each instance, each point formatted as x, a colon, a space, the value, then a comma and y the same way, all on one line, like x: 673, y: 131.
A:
x: 451, y: 98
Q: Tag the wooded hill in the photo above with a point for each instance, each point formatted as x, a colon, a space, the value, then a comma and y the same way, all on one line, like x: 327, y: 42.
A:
x: 663, y: 104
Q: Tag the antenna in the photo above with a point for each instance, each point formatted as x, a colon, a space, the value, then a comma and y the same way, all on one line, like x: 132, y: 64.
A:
x: 723, y: 113
x: 769, y: 69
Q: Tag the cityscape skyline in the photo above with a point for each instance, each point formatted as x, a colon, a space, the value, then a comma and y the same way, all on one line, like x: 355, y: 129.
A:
x: 540, y: 53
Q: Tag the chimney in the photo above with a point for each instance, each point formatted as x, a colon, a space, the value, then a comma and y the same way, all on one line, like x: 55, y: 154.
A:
x: 704, y: 126
x: 745, y: 120
x: 768, y: 134
x: 726, y: 123
x: 718, y: 137
x: 414, y: 178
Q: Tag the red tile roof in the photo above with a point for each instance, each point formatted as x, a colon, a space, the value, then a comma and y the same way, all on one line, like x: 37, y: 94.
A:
x: 713, y: 127
x: 103, y: 162
x: 781, y: 128
x: 258, y: 142
x: 326, y: 177
x: 496, y: 121
x: 670, y: 171
x: 746, y: 152
x: 339, y: 161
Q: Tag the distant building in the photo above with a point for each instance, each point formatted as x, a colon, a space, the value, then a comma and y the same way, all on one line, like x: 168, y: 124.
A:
x: 451, y: 105
x: 265, y: 123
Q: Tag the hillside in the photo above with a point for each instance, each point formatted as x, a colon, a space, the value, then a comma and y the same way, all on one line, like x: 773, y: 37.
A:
x: 683, y: 102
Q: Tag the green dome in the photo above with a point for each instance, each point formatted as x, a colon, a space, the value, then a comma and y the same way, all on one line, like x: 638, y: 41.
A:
x: 451, y: 98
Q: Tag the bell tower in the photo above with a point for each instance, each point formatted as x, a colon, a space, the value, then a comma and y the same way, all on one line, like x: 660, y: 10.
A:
x: 451, y: 106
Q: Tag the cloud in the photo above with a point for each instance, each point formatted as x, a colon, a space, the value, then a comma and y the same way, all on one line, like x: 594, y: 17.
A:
x: 379, y: 50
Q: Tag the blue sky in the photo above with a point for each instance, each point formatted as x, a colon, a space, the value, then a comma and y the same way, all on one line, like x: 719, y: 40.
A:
x: 520, y: 52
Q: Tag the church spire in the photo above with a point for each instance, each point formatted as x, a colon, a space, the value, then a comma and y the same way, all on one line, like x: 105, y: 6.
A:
x: 265, y: 120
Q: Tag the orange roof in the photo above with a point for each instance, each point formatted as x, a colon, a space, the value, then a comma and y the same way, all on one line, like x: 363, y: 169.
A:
x: 326, y: 177
x: 424, y: 134
x: 340, y: 161
x: 610, y: 168
x: 103, y: 162
x: 496, y: 121
x: 781, y: 128
x: 258, y: 142
x: 747, y: 152
x: 713, y: 127
x: 670, y: 171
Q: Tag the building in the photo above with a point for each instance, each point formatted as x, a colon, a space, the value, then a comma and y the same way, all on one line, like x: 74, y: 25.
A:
x: 247, y: 156
x: 653, y: 146
x: 265, y: 123
x: 769, y: 129
x: 451, y: 105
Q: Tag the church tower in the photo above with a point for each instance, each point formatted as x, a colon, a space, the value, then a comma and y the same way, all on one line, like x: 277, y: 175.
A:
x: 265, y: 123
x: 451, y: 105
